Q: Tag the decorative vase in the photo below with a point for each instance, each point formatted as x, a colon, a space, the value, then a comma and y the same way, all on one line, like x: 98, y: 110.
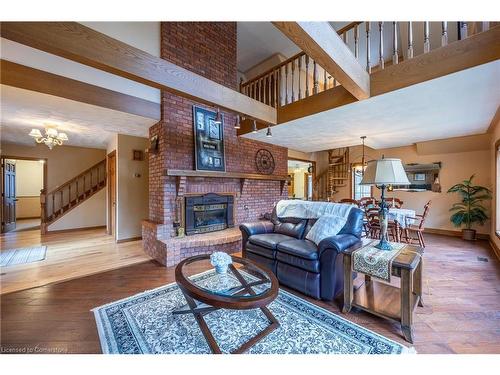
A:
x: 469, y: 234
x: 221, y: 269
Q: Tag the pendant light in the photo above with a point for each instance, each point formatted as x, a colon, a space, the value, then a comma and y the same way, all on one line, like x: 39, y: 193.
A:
x: 269, y: 134
x: 237, y: 125
x: 254, y: 126
x: 363, y: 165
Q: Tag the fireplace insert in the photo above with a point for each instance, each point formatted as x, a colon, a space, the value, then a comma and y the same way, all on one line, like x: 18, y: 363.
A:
x: 208, y: 213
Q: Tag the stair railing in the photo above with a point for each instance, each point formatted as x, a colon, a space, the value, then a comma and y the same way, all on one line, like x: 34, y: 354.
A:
x: 374, y: 35
x: 291, y: 80
x: 68, y: 195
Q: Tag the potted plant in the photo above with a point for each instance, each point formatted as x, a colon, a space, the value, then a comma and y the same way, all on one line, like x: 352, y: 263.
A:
x: 470, y: 210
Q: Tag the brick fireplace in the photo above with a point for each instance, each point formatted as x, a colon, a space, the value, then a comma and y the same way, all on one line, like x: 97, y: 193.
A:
x: 208, y: 49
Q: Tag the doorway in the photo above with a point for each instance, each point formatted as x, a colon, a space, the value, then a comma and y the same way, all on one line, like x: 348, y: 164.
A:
x: 112, y: 193
x: 23, y: 179
x: 301, y: 179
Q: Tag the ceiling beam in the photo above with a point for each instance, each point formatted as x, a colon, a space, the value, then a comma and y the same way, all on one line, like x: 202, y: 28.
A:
x: 463, y: 54
x: 27, y: 78
x: 322, y: 43
x: 324, y: 101
x: 78, y: 43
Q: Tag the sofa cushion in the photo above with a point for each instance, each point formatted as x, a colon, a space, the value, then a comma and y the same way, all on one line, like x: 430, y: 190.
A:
x: 268, y: 240
x: 300, y: 248
x: 291, y: 227
x: 261, y: 251
x: 311, y: 265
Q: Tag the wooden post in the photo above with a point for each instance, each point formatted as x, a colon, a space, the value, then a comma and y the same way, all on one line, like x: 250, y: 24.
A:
x: 286, y: 83
x: 300, y: 73
x: 293, y: 79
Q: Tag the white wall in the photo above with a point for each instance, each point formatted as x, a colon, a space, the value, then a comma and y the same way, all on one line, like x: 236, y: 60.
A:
x: 29, y: 178
x: 132, y: 177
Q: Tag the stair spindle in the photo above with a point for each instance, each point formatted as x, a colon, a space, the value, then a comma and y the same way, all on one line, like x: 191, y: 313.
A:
x: 444, y: 34
x: 286, y: 84
x: 300, y: 73
x: 53, y: 205
x: 356, y: 41
x: 61, y: 202
x: 315, y: 77
x: 395, y: 57
x: 427, y: 43
x: 277, y: 94
x: 325, y: 82
x: 69, y: 195
x: 368, y: 65
x: 485, y: 26
x: 410, y: 41
x: 307, y: 76
x: 381, y: 45
x: 463, y: 30
x: 269, y: 90
x: 293, y: 79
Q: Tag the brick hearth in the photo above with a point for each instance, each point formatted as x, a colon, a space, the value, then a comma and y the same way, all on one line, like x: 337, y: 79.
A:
x: 208, y: 49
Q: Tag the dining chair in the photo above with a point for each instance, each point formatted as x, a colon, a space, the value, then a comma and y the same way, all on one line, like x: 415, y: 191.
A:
x: 367, y: 202
x: 350, y: 201
x: 373, y: 225
x: 417, y: 230
x: 392, y: 203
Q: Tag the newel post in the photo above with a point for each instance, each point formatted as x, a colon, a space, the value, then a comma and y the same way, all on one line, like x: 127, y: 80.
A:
x: 43, y: 212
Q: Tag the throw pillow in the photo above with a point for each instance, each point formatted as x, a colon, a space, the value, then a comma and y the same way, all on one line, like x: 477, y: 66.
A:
x: 325, y: 226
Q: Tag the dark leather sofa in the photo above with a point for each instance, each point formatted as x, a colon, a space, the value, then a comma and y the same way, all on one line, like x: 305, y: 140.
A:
x: 297, y: 262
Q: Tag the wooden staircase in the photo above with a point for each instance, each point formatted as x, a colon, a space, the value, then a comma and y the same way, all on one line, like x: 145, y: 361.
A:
x: 58, y: 202
x: 338, y: 170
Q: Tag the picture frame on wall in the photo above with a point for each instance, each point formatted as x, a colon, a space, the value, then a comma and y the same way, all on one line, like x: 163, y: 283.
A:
x: 209, y: 152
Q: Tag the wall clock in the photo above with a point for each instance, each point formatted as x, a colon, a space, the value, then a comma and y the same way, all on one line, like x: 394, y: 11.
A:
x: 264, y: 161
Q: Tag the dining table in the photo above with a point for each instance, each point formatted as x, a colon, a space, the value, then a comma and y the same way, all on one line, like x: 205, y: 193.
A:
x: 402, y: 216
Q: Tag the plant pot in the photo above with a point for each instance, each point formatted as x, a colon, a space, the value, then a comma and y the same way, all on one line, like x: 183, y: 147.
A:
x: 469, y: 234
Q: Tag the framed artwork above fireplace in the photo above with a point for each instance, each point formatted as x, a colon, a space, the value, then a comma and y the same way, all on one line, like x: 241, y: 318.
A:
x: 208, y: 140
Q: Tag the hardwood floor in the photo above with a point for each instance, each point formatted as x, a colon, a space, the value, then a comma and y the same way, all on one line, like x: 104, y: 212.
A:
x: 461, y: 313
x: 69, y: 255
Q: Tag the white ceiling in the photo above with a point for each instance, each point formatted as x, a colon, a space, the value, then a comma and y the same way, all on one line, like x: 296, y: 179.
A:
x: 256, y: 41
x: 459, y: 104
x: 86, y: 125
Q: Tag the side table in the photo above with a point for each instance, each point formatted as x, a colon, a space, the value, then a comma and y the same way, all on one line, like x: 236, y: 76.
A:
x: 382, y: 299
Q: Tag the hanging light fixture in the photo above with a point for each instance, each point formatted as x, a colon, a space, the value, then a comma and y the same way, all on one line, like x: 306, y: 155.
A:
x: 52, y: 137
x: 269, y: 134
x: 254, y: 126
x: 363, y: 162
x: 218, y: 118
x: 237, y: 124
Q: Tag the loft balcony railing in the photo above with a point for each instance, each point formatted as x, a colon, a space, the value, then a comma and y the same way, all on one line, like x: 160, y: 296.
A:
x: 375, y: 45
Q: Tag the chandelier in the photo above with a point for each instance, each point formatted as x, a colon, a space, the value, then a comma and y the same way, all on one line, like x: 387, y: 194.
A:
x: 360, y: 167
x: 52, y: 137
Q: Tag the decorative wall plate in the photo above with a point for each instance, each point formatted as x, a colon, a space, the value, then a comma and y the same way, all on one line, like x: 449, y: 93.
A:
x: 264, y: 161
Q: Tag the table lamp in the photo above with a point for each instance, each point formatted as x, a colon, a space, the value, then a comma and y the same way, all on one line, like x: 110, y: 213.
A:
x: 381, y: 173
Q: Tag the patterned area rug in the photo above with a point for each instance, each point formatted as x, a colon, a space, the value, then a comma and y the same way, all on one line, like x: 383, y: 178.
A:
x: 13, y: 257
x: 144, y: 324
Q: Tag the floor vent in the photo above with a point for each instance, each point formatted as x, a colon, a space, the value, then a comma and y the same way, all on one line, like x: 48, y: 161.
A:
x: 482, y: 259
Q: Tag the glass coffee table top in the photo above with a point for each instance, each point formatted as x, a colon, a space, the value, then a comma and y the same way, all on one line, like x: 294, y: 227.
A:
x: 243, y: 279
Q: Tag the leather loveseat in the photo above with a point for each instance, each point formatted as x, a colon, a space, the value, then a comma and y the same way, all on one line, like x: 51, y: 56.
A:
x: 298, y: 263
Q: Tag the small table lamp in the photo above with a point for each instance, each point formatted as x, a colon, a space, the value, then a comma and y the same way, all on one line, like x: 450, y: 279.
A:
x: 381, y: 173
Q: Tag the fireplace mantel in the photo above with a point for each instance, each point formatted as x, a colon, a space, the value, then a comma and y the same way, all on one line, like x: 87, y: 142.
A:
x: 183, y: 173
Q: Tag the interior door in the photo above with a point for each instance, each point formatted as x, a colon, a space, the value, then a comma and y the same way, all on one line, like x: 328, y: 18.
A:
x: 9, y: 195
x: 112, y: 193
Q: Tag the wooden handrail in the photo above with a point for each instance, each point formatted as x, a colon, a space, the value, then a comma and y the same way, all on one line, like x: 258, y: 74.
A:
x: 273, y: 69
x: 348, y: 27
x: 60, y: 187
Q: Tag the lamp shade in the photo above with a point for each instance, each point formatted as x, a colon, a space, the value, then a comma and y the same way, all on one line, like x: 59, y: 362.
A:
x: 385, y: 172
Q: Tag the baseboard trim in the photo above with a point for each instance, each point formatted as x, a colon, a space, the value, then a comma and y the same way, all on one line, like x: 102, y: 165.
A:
x: 454, y: 233
x: 495, y: 248
x: 129, y: 239
x: 74, y: 229
x: 27, y: 217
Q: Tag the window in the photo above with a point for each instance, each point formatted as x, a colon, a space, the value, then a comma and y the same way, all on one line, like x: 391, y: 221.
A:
x: 360, y: 191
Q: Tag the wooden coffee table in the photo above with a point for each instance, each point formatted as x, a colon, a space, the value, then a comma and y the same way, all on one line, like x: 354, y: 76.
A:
x: 382, y: 299
x: 239, y: 294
